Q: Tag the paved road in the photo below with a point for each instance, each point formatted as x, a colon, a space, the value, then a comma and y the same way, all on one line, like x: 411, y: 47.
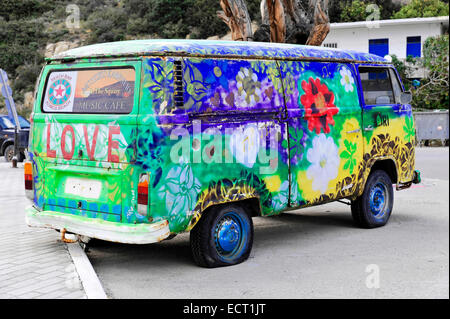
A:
x: 311, y: 253
x: 34, y: 263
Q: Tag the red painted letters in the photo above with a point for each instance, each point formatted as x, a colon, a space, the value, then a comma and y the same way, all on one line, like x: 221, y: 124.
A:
x: 67, y: 155
x: 113, y: 130
x: 90, y: 147
x: 50, y: 153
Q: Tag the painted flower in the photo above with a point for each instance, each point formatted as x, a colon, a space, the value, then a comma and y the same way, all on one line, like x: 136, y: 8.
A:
x: 295, y: 144
x: 158, y: 79
x: 324, y: 160
x: 180, y: 190
x: 410, y: 132
x: 248, y: 86
x: 195, y: 87
x: 349, y: 155
x: 318, y: 102
x: 280, y: 200
x: 347, y: 79
x: 245, y: 145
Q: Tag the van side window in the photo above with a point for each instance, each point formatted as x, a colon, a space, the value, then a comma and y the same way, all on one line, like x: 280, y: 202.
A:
x: 396, y: 86
x: 219, y: 85
x: 377, y: 86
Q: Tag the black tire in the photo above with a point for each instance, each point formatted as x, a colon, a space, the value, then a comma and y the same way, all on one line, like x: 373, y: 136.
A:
x: 209, y: 249
x: 374, y: 207
x: 9, y: 153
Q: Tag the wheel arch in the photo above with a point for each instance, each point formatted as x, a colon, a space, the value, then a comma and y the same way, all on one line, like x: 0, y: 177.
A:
x: 385, y: 163
x: 251, y: 205
x: 389, y: 166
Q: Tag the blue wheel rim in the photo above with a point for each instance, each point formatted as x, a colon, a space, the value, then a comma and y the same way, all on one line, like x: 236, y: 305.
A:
x: 230, y: 236
x: 378, y: 200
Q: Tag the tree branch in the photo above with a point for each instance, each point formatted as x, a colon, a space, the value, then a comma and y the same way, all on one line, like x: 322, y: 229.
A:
x: 276, y: 21
x: 236, y: 17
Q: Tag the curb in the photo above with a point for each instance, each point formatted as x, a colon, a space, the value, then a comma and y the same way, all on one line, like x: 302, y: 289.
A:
x: 91, y: 284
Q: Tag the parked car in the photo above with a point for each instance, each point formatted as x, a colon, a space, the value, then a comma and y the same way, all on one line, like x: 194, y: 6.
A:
x: 137, y: 141
x: 7, y: 129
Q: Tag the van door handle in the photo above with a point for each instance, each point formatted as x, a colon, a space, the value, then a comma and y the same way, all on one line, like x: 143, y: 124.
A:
x: 369, y: 128
x: 354, y: 131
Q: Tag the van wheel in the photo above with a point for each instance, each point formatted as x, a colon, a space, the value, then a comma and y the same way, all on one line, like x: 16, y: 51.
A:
x: 222, y: 237
x: 9, y: 153
x: 374, y: 207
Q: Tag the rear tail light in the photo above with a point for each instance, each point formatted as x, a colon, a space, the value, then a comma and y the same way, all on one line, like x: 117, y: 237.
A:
x: 143, y: 194
x: 28, y: 174
x: 28, y: 168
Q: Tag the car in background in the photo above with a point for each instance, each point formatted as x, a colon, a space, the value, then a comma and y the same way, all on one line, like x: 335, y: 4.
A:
x: 7, y: 129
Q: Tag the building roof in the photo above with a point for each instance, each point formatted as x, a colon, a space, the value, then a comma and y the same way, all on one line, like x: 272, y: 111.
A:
x: 215, y: 48
x: 382, y: 23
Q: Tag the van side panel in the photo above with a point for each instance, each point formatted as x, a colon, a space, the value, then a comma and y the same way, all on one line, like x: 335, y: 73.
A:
x: 389, y: 131
x: 225, y: 143
x: 324, y: 130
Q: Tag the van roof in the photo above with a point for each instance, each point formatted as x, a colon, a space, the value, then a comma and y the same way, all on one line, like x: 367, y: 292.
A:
x: 203, y: 48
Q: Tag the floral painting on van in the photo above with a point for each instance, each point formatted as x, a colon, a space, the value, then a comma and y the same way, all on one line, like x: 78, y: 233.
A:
x: 206, y: 131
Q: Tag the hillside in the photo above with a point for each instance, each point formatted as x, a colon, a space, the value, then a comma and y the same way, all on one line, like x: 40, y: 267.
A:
x: 33, y: 29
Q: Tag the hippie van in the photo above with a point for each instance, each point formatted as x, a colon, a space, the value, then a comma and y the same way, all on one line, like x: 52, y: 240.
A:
x: 137, y: 141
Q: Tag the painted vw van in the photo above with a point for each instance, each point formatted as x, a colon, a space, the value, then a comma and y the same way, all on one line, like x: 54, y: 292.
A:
x: 137, y: 141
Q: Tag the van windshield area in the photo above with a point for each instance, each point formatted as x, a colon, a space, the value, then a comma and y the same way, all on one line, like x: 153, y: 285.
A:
x: 377, y: 86
x: 90, y: 91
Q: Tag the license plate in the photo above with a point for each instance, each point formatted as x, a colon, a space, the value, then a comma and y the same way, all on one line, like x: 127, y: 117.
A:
x: 83, y: 187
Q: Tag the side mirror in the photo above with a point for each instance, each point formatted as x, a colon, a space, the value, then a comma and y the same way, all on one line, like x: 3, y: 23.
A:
x: 406, y: 98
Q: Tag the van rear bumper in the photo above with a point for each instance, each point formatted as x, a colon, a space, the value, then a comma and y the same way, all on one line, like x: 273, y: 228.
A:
x: 100, y: 229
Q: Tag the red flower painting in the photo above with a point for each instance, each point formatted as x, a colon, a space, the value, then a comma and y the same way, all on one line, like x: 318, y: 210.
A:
x: 318, y: 102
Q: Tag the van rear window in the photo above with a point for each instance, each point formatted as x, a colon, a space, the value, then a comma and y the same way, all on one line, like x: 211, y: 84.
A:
x: 90, y: 91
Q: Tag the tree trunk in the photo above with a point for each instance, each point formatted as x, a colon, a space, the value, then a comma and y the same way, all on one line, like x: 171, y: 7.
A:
x: 306, y: 21
x: 321, y: 26
x: 235, y: 15
x: 277, y: 21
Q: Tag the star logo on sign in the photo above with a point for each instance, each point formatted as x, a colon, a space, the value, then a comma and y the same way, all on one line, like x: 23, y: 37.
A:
x: 59, y: 91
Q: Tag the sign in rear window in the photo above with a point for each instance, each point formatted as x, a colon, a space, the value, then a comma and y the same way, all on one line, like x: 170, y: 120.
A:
x: 90, y: 91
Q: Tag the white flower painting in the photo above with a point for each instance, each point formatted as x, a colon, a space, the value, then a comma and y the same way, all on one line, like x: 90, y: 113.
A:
x: 324, y: 159
x: 347, y: 79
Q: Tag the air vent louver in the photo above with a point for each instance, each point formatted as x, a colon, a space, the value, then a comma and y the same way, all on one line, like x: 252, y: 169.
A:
x: 178, y: 83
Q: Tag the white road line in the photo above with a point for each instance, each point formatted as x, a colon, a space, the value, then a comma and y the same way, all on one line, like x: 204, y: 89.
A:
x: 91, y: 284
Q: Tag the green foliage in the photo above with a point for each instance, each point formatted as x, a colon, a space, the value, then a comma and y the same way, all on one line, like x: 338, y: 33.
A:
x: 433, y: 92
x: 423, y: 9
x: 355, y: 12
x: 179, y: 18
x: 360, y: 10
x: 27, y: 26
x: 107, y: 25
x: 20, y: 43
x: 19, y: 9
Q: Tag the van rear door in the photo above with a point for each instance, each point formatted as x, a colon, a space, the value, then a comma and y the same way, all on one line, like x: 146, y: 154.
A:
x: 83, y: 134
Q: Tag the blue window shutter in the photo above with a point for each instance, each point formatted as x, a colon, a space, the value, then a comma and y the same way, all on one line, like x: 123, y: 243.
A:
x: 414, y: 47
x: 379, y: 47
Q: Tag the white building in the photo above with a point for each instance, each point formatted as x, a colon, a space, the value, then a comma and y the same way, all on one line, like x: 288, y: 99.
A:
x: 402, y: 37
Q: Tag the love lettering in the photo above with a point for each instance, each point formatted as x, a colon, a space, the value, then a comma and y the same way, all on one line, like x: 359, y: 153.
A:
x: 68, y: 151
